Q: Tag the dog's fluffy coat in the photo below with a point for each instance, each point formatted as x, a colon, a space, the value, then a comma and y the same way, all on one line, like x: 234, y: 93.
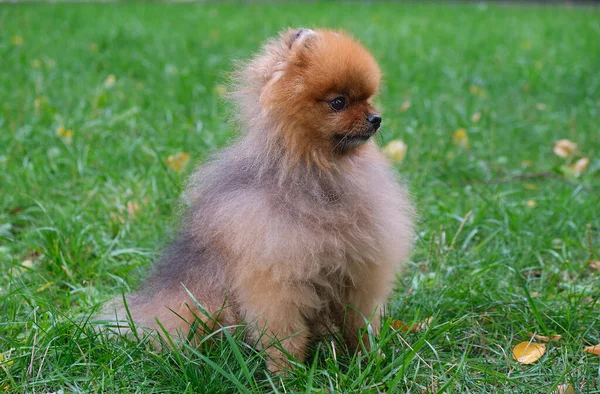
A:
x: 300, y: 224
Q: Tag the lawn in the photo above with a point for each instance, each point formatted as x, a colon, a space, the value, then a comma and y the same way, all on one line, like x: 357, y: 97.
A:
x: 106, y: 109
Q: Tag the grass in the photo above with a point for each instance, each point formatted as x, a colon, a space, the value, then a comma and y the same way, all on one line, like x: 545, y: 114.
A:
x: 83, y: 212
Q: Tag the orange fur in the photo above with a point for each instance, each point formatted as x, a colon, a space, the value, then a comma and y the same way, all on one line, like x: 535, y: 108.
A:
x: 300, y: 224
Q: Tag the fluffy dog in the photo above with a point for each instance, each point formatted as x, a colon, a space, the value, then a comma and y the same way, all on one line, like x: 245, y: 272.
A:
x: 300, y: 224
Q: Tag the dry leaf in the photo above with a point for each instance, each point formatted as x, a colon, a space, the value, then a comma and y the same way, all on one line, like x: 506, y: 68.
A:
x: 110, y: 81
x: 476, y: 117
x: 132, y: 208
x: 564, y: 148
x: 544, y: 338
x: 417, y: 327
x: 528, y: 352
x: 580, y: 165
x: 44, y: 287
x: 564, y: 389
x: 405, y: 106
x: 460, y: 138
x: 595, y: 264
x: 531, y: 203
x: 178, y: 160
x: 593, y: 349
x: 396, y: 150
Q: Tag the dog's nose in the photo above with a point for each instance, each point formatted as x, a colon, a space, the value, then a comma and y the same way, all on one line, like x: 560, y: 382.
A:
x: 375, y: 120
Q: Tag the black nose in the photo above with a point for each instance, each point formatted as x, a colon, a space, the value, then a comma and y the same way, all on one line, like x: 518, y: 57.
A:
x: 375, y: 120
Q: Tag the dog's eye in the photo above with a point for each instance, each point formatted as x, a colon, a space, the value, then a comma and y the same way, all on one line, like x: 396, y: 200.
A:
x: 338, y: 103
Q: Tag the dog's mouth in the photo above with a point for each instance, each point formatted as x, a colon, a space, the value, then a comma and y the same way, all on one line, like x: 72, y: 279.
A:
x: 343, y: 143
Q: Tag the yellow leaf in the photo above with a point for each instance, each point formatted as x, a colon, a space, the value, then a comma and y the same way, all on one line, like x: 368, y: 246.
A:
x: 476, y: 117
x: 67, y: 135
x: 580, y: 165
x: 396, y: 150
x: 405, y: 106
x: 17, y: 41
x: 110, y: 81
x: 528, y: 352
x: 544, y: 338
x: 564, y: 389
x: 460, y: 138
x: 593, y: 349
x: 44, y: 287
x: 531, y: 203
x: 178, y: 160
x: 564, y: 148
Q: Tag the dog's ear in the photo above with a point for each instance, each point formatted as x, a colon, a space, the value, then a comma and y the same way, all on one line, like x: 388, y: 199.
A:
x: 299, y: 42
x: 298, y: 37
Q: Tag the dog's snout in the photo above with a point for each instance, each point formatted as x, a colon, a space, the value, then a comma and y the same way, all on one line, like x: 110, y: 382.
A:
x: 375, y: 120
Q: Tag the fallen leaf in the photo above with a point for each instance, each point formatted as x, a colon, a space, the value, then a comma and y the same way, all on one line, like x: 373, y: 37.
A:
x: 564, y: 148
x: 17, y: 41
x: 416, y: 327
x: 67, y: 135
x: 44, y: 287
x: 593, y: 349
x: 132, y: 208
x: 460, y: 138
x: 595, y: 264
x: 110, y: 81
x: 396, y: 150
x: 580, y: 165
x: 564, y: 389
x: 4, y: 358
x: 405, y: 106
x: 178, y: 160
x: 476, y: 117
x: 528, y: 352
x: 531, y: 203
x: 544, y: 338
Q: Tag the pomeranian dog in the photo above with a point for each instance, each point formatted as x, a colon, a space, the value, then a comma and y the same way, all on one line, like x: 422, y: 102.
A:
x: 300, y: 225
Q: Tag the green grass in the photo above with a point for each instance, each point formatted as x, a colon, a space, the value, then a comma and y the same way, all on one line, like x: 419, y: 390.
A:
x: 488, y: 268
